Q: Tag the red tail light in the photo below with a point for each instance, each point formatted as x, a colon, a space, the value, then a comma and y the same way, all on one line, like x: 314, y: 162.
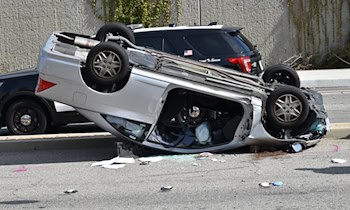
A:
x: 43, y: 85
x: 243, y: 62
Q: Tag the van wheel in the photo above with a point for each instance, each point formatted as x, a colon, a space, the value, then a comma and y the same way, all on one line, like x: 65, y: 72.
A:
x: 107, y: 63
x: 282, y: 74
x: 115, y: 29
x: 287, y: 107
x: 25, y: 117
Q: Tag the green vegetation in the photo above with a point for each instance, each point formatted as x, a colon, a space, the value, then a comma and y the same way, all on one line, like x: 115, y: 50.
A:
x: 148, y: 12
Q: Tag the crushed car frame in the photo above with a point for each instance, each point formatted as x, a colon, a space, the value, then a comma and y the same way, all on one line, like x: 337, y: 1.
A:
x: 161, y: 101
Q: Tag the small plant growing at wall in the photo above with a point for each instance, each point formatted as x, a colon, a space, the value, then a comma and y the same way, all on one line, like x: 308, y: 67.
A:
x: 148, y: 12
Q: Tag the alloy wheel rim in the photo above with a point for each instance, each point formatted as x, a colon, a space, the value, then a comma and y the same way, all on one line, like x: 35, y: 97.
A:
x: 106, y: 64
x: 288, y: 108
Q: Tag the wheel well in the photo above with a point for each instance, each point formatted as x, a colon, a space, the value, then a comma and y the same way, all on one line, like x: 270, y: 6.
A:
x: 25, y: 97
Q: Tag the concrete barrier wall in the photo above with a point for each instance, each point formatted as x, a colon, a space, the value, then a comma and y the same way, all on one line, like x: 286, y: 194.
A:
x: 280, y: 28
x: 26, y: 24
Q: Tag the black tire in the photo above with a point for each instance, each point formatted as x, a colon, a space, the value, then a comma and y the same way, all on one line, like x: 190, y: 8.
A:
x: 281, y: 73
x: 287, y: 107
x: 26, y: 117
x: 107, y: 63
x: 115, y: 29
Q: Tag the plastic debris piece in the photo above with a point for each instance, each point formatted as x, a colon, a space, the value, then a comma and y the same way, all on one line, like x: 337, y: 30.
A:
x: 166, y: 188
x: 114, y: 166
x: 205, y: 154
x: 21, y: 169
x: 151, y: 159
x: 145, y: 163
x: 265, y: 184
x: 297, y: 147
x: 195, y: 164
x: 217, y: 160
x: 277, y: 183
x: 70, y: 191
x: 337, y: 160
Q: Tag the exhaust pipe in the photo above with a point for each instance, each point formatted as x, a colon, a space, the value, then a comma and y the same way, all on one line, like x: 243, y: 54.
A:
x: 84, y: 42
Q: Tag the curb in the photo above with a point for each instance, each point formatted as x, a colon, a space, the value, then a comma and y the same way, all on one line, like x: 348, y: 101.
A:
x: 324, y: 78
x: 56, y: 141
x: 339, y: 131
x: 101, y: 140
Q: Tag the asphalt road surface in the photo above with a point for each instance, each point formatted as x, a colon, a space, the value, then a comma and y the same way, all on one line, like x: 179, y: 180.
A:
x: 38, y: 179
x: 337, y: 103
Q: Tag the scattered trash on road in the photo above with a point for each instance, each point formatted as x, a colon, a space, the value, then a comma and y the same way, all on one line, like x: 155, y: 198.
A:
x: 166, y: 188
x: 217, y: 160
x: 114, y: 163
x: 269, y: 184
x: 337, y: 160
x: 21, y: 169
x: 195, y: 164
x: 265, y: 184
x: 144, y: 163
x: 117, y: 160
x: 297, y: 147
x: 277, y: 183
x: 70, y: 191
x: 203, y: 155
x: 151, y: 159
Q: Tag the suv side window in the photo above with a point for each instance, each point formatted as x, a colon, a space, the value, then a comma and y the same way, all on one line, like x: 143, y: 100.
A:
x: 155, y: 42
x: 209, y: 44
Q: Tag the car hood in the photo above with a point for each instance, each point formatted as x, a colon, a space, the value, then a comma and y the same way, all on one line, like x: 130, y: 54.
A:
x: 19, y: 73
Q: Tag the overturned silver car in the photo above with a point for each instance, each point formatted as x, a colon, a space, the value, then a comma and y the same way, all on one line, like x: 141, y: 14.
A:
x: 161, y: 101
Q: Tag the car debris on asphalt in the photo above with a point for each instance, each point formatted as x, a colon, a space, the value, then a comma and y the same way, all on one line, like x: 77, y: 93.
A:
x: 166, y: 188
x: 297, y: 147
x: 70, y: 191
x: 114, y: 163
x: 269, y: 184
x: 338, y: 160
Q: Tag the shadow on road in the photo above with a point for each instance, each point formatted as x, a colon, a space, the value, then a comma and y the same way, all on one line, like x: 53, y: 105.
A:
x: 57, y: 156
x: 330, y: 170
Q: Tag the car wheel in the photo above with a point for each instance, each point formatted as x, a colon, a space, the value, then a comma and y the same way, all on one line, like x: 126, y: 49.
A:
x: 287, y: 107
x: 281, y: 73
x: 26, y: 117
x: 106, y: 64
x: 115, y: 29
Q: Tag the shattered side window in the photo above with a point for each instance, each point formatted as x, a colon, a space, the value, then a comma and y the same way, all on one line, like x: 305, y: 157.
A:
x: 132, y: 129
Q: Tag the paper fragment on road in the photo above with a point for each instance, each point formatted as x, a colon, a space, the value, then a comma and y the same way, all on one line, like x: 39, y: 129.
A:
x: 119, y: 160
x: 338, y: 160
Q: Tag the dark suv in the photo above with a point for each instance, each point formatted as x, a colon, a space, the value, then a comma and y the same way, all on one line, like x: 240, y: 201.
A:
x: 216, y: 44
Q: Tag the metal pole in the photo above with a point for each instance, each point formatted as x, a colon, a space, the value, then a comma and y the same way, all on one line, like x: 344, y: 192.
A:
x: 200, y: 12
